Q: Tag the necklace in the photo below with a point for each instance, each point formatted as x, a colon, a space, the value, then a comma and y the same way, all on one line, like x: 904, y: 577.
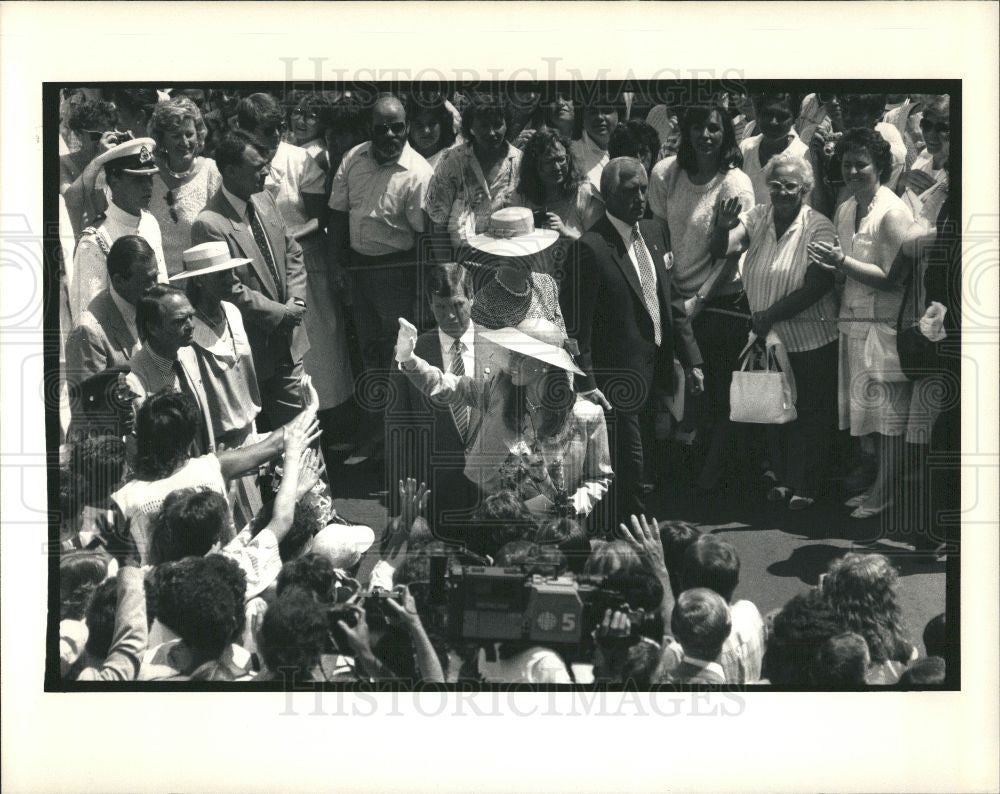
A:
x: 178, y: 174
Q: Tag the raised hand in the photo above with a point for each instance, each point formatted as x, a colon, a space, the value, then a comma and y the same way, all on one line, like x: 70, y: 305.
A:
x: 645, y: 539
x: 728, y: 216
x: 404, y: 614
x: 311, y: 468
x: 406, y: 340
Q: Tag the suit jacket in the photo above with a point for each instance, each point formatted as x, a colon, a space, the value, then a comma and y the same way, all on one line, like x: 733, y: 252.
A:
x: 100, y: 341
x: 604, y: 309
x: 145, y: 379
x: 259, y: 299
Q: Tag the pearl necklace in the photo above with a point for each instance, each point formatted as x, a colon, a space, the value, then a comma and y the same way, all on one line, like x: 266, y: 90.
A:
x: 182, y: 174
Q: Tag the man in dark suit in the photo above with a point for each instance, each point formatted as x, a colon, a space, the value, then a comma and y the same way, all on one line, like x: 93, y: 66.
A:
x: 618, y: 304
x: 271, y: 290
x: 427, y: 438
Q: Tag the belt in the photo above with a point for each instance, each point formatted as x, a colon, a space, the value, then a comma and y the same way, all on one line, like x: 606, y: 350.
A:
x: 396, y: 259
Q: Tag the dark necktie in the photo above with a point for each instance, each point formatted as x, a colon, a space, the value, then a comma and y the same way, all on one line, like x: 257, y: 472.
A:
x: 647, y: 279
x: 261, y: 239
x: 459, y: 412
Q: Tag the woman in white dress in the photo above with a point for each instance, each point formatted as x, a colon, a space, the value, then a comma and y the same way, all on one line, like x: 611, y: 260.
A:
x: 186, y: 180
x: 872, y: 224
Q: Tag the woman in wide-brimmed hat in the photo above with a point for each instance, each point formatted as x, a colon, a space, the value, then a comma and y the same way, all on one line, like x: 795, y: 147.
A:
x: 531, y: 433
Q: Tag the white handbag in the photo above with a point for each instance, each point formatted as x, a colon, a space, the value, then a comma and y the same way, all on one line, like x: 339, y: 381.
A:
x: 761, y: 396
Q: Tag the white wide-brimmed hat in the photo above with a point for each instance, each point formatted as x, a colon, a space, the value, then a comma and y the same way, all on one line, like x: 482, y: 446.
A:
x: 512, y: 232
x: 343, y: 544
x: 132, y: 157
x: 211, y: 257
x: 539, y: 339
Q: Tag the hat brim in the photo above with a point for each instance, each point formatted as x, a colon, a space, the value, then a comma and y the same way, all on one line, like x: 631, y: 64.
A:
x: 519, y: 342
x: 522, y: 245
x: 147, y: 171
x: 188, y: 274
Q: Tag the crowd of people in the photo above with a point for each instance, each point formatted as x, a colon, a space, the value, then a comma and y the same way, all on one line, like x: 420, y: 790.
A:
x: 514, y: 302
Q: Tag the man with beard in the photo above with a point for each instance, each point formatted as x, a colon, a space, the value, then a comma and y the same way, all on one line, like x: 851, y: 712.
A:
x: 129, y: 168
x: 270, y: 292
x: 377, y: 212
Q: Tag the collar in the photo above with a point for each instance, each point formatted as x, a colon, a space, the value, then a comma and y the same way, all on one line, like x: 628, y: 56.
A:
x: 800, y: 219
x: 512, y: 151
x: 406, y: 159
x: 468, y: 338
x: 163, y: 365
x: 708, y: 667
x: 237, y: 203
x: 125, y: 309
x: 623, y: 229
x: 118, y: 215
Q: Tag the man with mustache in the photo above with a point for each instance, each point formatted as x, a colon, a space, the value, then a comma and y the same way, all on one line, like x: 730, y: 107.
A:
x: 129, y: 168
x: 377, y: 213
x: 270, y: 292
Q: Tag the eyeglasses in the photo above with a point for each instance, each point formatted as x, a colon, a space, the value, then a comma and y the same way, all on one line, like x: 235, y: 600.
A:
x: 942, y: 127
x: 396, y: 128
x: 171, y: 201
x: 776, y: 186
x: 307, y: 115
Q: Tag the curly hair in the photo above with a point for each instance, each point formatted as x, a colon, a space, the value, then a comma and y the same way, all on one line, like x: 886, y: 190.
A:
x: 201, y: 600
x: 165, y: 426
x: 96, y: 115
x: 96, y: 467
x: 797, y: 633
x: 569, y: 537
x: 79, y: 575
x: 529, y: 181
x: 873, y: 144
x: 170, y: 116
x: 797, y: 163
x: 494, y: 106
x: 629, y: 138
x: 729, y: 154
x: 101, y: 618
x: 861, y: 590
x: 293, y: 635
x: 189, y: 523
x: 310, y: 572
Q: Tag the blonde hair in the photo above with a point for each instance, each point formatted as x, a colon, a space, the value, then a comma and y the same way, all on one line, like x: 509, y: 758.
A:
x: 169, y: 116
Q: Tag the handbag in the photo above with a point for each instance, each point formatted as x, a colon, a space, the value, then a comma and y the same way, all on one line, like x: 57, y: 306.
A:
x: 918, y: 355
x: 761, y: 396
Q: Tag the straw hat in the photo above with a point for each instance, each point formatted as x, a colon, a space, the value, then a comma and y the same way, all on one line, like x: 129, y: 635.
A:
x: 538, y: 339
x: 512, y: 232
x: 207, y: 258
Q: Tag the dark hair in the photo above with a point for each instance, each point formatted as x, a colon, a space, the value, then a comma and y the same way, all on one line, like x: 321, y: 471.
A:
x: 569, y: 537
x: 923, y: 672
x: 229, y: 151
x: 729, y: 154
x: 318, y: 102
x: 936, y: 637
x: 445, y: 280
x: 504, y: 518
x: 189, y: 523
x: 79, y: 574
x: 258, y: 110
x: 293, y: 634
x: 529, y: 181
x: 94, y: 114
x: 516, y: 554
x: 713, y: 563
x: 797, y: 633
x: 126, y: 251
x: 871, y: 142
x: 101, y: 618
x: 701, y: 623
x: 763, y: 101
x: 676, y: 537
x: 306, y: 522
x: 96, y: 466
x: 558, y: 399
x: 871, y: 105
x: 135, y: 99
x: 628, y: 138
x: 165, y: 426
x: 640, y: 589
x: 201, y: 600
x: 841, y: 662
x: 149, y: 309
x: 417, y: 104
x: 311, y: 572
x: 494, y: 106
x: 613, y: 556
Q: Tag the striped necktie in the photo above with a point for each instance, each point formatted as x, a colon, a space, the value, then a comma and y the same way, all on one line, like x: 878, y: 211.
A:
x: 460, y: 413
x: 260, y: 237
x: 647, y: 279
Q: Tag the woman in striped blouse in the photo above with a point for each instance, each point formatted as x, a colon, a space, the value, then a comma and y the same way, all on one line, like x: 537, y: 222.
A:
x: 796, y: 301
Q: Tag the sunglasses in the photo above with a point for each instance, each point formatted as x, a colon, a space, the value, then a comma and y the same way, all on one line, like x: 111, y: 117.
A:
x: 942, y: 127
x: 776, y: 186
x: 396, y: 128
x: 171, y: 201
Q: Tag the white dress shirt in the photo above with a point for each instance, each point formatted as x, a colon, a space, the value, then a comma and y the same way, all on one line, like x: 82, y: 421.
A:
x: 468, y: 354
x: 625, y: 231
x: 590, y: 158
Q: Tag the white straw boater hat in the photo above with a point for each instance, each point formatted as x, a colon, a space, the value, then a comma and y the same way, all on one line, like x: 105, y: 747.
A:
x: 207, y: 258
x: 132, y: 157
x: 512, y: 232
x: 539, y: 339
